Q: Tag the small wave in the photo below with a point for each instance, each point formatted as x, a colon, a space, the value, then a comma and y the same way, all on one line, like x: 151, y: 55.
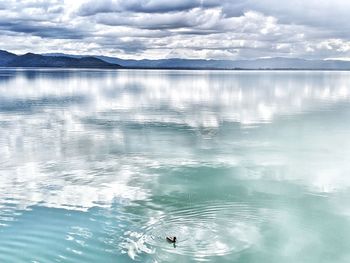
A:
x: 203, y: 231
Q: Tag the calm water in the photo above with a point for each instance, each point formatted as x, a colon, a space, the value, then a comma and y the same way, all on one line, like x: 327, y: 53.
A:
x: 100, y: 166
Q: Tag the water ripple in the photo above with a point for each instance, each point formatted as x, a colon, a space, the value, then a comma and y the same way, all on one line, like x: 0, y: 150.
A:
x: 203, y: 231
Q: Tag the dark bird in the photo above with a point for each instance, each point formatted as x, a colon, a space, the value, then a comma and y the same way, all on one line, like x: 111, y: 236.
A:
x: 171, y: 239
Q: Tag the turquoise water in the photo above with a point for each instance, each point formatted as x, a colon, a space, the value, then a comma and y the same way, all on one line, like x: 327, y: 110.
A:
x: 241, y: 166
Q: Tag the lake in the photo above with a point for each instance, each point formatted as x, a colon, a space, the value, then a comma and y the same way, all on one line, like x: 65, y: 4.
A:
x: 240, y: 166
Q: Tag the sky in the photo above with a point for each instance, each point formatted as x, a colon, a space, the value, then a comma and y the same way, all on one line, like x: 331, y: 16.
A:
x: 196, y: 29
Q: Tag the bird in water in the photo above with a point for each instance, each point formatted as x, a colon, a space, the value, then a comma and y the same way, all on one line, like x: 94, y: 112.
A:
x: 171, y: 239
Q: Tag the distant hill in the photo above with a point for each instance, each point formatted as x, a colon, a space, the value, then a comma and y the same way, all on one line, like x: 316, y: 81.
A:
x: 263, y: 63
x: 61, y: 60
x: 6, y: 57
x: 266, y: 63
x: 34, y: 60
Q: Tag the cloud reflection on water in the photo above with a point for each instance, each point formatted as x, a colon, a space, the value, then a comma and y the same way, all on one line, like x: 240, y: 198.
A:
x: 81, y: 139
x: 55, y: 131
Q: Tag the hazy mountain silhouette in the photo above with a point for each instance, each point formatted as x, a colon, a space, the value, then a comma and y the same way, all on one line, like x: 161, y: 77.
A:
x: 34, y: 60
x: 263, y: 63
x: 61, y: 60
x: 6, y: 57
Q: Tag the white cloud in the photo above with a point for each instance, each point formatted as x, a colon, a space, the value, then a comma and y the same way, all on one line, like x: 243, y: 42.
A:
x: 190, y: 29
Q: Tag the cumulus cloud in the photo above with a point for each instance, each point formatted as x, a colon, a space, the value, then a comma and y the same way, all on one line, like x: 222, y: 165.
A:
x: 214, y: 29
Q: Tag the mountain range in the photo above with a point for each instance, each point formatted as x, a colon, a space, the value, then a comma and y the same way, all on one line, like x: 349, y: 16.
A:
x: 8, y: 59
x: 62, y: 60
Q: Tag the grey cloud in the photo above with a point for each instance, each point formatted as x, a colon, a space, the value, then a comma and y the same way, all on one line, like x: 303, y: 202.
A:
x: 21, y: 6
x: 156, y: 21
x: 143, y: 6
x: 126, y: 46
x: 193, y: 31
x: 45, y: 31
x: 38, y: 18
x: 55, y: 9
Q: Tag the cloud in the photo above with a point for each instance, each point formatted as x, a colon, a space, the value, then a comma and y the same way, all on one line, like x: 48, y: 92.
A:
x: 189, y: 28
x: 42, y: 30
x: 315, y: 13
x: 141, y: 6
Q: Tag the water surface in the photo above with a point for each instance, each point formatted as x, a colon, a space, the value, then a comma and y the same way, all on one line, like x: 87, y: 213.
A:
x: 242, y: 166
